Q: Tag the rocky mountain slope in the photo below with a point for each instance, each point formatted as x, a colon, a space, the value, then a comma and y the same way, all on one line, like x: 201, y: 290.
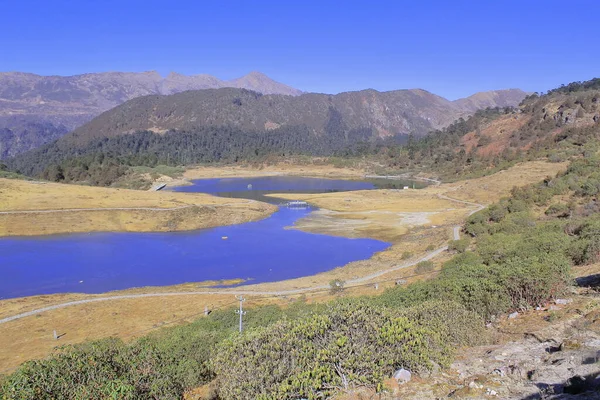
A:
x: 400, y: 112
x: 71, y: 101
x: 25, y: 134
x: 50, y: 106
x: 74, y: 100
x: 493, y: 98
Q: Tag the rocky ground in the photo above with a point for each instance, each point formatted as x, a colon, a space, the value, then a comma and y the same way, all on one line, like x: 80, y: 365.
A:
x: 549, y: 353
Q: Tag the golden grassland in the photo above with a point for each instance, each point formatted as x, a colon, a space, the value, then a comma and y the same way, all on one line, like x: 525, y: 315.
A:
x: 114, y: 209
x: 381, y: 214
x: 411, y: 220
x: 491, y: 188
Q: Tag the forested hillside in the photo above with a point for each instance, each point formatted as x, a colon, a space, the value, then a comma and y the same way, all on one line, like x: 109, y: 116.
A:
x: 232, y: 125
x: 557, y: 125
x: 67, y: 102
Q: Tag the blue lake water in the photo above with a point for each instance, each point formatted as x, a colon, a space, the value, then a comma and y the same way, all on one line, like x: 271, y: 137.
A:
x: 260, y: 251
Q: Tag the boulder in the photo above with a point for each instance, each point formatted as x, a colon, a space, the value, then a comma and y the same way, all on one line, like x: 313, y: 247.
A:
x: 402, y: 375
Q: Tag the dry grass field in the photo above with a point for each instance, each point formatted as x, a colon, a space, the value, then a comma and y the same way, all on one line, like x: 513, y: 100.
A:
x: 60, y: 208
x: 411, y: 220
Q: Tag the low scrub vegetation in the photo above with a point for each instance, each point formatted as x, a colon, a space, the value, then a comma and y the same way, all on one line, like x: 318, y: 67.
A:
x: 460, y: 245
x: 424, y: 267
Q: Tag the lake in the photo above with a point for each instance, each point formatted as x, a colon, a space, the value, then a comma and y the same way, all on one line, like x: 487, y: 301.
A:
x: 261, y: 251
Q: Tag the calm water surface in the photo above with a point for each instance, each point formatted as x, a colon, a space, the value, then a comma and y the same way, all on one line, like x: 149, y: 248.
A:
x: 261, y: 251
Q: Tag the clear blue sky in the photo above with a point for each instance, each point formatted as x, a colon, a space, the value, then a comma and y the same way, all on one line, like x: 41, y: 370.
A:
x: 452, y: 48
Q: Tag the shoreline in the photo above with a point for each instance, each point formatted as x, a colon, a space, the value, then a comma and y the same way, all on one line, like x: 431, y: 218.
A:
x: 132, y: 317
x: 28, y: 209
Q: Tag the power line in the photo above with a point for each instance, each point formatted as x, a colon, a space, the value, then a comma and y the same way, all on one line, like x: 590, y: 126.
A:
x: 264, y: 297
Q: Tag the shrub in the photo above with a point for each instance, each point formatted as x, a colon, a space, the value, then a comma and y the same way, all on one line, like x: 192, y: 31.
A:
x: 558, y: 210
x: 336, y: 286
x: 406, y: 255
x: 101, y: 369
x: 430, y: 248
x: 424, y: 266
x: 459, y: 246
x: 454, y: 322
x: 350, y: 345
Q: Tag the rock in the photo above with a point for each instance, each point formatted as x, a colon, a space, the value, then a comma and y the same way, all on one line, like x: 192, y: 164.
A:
x: 553, y: 308
x: 474, y: 385
x: 563, y: 301
x: 402, y: 375
x: 513, y: 315
x: 491, y: 392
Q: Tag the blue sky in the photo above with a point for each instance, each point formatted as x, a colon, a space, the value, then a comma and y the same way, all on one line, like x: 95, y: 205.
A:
x: 451, y: 48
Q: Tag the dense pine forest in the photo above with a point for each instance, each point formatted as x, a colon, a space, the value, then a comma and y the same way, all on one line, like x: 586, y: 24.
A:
x: 103, y: 161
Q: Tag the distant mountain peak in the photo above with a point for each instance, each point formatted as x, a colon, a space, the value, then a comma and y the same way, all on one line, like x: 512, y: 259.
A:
x: 256, y: 74
x: 492, y: 98
x: 260, y: 82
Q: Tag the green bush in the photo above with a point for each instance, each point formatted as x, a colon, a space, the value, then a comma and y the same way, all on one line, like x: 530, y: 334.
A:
x: 161, y: 365
x: 406, y: 255
x: 352, y: 344
x: 336, y: 286
x: 97, y: 370
x: 457, y: 325
x: 559, y: 210
x: 459, y: 246
x: 424, y: 266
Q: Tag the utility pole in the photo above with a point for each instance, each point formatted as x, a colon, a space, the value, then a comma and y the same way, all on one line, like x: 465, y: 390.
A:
x: 241, y: 311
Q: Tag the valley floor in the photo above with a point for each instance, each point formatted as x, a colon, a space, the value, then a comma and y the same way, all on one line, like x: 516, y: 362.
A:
x: 414, y: 221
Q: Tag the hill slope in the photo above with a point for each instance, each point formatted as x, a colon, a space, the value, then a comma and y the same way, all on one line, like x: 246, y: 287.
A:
x: 71, y: 101
x: 399, y: 112
x: 62, y: 103
x: 558, y: 125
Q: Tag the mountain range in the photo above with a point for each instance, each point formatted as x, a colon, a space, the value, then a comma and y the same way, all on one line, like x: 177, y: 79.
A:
x: 35, y: 109
x: 385, y: 114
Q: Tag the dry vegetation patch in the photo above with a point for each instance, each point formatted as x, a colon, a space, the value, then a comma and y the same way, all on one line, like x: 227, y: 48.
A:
x: 88, y: 209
